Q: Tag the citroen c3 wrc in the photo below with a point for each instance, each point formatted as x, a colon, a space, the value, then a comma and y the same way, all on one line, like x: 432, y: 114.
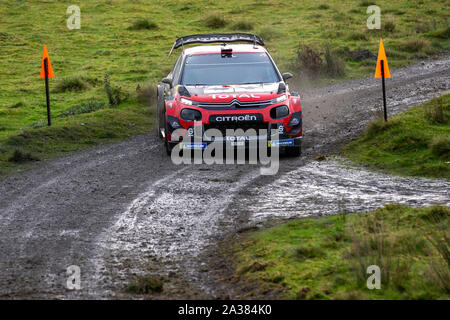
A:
x: 233, y: 84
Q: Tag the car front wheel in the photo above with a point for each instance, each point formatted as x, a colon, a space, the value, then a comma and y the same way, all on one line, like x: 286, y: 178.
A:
x: 169, y: 146
x: 160, y: 114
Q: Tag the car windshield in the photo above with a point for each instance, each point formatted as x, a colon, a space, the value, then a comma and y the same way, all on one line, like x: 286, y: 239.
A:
x: 238, y: 68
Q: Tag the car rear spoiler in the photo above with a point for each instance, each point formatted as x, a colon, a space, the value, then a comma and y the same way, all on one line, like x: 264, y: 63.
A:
x: 216, y: 37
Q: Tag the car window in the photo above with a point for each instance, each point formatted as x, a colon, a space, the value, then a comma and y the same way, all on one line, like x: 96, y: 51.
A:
x: 176, y: 69
x: 238, y: 68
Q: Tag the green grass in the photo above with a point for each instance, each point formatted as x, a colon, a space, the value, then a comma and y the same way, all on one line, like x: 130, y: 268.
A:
x: 74, y: 132
x: 145, y: 285
x: 414, y: 143
x: 327, y: 258
x: 130, y: 40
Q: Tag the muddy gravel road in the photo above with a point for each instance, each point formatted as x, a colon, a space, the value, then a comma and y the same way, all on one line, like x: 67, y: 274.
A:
x: 124, y: 210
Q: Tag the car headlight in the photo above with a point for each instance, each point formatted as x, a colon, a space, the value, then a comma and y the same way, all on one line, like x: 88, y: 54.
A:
x: 279, y: 112
x: 186, y: 101
x: 191, y: 115
x: 279, y: 99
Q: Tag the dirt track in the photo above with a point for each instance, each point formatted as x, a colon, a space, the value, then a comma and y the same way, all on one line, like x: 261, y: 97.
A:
x: 124, y: 209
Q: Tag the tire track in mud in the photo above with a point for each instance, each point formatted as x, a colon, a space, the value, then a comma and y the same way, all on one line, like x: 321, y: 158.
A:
x: 164, y: 231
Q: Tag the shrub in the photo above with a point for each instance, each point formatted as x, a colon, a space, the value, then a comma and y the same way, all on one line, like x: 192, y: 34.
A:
x: 85, y: 107
x: 421, y: 27
x: 436, y: 214
x: 440, y: 33
x: 38, y: 124
x: 71, y: 84
x: 373, y: 243
x: 21, y: 157
x: 439, y: 241
x: 389, y: 24
x: 440, y: 146
x: 335, y: 66
x: 147, y: 94
x: 254, y: 267
x: 357, y: 36
x: 243, y: 25
x: 143, y: 24
x: 377, y: 126
x: 309, y: 61
x: 268, y: 33
x: 17, y: 105
x: 304, y: 252
x: 114, y: 94
x: 417, y: 45
x: 215, y: 21
x: 366, y: 3
x: 145, y: 285
x: 435, y: 111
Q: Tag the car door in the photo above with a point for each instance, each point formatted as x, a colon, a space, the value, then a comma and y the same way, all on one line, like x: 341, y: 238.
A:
x: 164, y: 90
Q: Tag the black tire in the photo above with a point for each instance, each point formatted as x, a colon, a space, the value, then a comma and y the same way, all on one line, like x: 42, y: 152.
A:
x: 169, y: 148
x: 160, y: 110
x: 294, y: 151
x: 167, y: 145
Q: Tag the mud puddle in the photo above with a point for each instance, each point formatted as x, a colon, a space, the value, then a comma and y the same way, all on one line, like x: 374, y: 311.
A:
x: 330, y: 187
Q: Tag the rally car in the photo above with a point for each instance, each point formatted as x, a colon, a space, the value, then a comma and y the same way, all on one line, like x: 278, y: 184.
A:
x: 233, y: 84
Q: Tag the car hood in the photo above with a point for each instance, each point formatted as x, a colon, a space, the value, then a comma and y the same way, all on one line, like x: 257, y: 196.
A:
x: 226, y: 93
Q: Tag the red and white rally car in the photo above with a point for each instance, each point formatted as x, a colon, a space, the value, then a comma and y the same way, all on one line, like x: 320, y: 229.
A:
x: 228, y: 86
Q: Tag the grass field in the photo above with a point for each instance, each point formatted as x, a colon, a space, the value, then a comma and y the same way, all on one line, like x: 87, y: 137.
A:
x: 130, y: 40
x: 416, y: 142
x: 327, y: 258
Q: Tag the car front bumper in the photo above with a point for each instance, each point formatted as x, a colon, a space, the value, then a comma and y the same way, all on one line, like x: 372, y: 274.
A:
x: 231, y: 142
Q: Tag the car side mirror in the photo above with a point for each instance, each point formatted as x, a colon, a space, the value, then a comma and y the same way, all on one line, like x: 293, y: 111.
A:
x: 167, y: 81
x: 286, y: 75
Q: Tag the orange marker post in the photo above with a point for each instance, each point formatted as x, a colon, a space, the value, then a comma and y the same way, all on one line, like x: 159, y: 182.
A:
x: 47, y: 72
x: 382, y: 71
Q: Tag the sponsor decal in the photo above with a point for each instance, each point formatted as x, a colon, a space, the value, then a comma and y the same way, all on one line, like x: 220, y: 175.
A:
x: 236, y: 118
x: 235, y: 96
x: 280, y: 143
x: 237, y: 138
x: 235, y: 91
x: 280, y: 129
x: 233, y: 138
x: 193, y: 145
